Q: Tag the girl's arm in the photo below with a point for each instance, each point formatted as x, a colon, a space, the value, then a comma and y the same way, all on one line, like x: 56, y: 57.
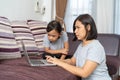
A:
x: 62, y: 57
x: 63, y: 51
x: 47, y: 49
x: 66, y: 47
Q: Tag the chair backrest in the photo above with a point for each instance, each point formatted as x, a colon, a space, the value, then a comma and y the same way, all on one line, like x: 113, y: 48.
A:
x: 72, y: 44
x: 110, y: 43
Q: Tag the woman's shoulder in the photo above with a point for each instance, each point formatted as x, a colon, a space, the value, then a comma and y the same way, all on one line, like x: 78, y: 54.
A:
x: 96, y: 43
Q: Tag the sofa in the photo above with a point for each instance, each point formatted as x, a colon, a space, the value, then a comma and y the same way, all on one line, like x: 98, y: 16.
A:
x: 13, y: 65
x: 111, y: 44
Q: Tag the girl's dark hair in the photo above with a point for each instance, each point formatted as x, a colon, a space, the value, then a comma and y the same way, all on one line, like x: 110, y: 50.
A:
x: 86, y: 20
x: 54, y: 25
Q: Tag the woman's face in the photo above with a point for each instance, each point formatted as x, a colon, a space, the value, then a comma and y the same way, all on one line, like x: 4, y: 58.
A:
x: 53, y: 35
x: 80, y: 30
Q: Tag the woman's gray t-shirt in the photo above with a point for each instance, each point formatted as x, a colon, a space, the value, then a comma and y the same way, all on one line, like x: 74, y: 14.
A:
x: 94, y: 51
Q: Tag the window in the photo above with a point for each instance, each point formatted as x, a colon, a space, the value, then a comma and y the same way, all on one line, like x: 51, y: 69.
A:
x: 77, y: 7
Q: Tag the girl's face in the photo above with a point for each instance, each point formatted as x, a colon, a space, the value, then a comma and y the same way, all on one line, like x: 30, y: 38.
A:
x: 80, y: 31
x: 53, y: 35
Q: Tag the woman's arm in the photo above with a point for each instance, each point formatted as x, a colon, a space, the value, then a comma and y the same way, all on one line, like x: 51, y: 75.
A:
x: 83, y: 71
x: 71, y: 61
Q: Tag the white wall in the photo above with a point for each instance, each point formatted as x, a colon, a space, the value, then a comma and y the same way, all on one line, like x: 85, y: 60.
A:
x: 48, y: 15
x: 24, y: 9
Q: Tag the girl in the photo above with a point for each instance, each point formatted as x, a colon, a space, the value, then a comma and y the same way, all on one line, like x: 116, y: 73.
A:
x: 89, y: 60
x: 56, y: 41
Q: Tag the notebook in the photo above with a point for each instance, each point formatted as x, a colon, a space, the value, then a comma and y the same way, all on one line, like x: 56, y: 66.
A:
x: 35, y: 62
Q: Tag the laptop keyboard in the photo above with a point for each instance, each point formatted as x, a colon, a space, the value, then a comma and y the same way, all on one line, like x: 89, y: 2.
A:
x: 45, y: 62
x: 37, y: 61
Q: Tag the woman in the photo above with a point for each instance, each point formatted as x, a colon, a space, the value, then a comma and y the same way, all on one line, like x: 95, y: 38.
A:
x: 89, y: 60
x: 55, y: 41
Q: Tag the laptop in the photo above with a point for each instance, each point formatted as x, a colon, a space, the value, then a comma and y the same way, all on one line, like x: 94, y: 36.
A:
x: 35, y: 62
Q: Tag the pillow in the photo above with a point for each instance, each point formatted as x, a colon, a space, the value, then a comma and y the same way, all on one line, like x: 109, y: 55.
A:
x: 8, y: 45
x: 38, y: 29
x: 22, y: 32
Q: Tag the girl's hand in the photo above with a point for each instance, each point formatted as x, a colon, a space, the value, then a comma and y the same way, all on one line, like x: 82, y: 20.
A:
x: 64, y: 51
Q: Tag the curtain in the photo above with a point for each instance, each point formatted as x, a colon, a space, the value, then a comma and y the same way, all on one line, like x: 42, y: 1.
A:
x: 60, y: 11
x: 69, y: 17
x: 117, y: 17
x: 60, y: 8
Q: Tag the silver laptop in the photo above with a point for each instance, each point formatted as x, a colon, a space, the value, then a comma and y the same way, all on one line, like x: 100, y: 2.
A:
x: 35, y: 62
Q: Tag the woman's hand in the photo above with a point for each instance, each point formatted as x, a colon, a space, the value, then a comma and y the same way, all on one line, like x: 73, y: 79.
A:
x: 53, y: 60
